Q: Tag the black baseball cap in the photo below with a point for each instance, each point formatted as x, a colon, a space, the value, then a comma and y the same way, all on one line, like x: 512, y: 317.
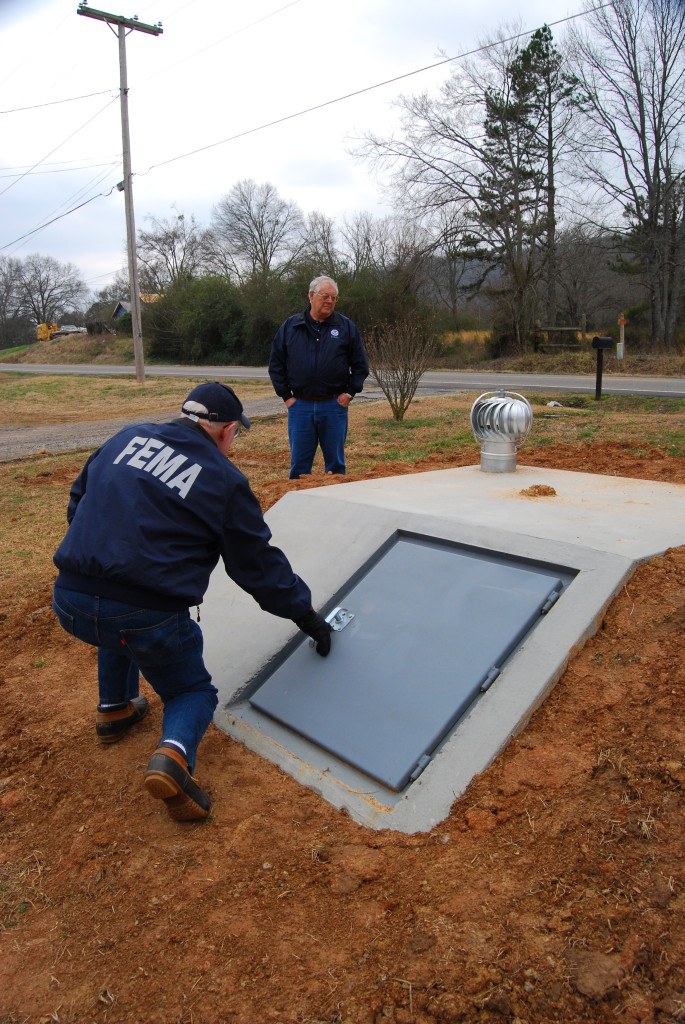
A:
x: 220, y: 401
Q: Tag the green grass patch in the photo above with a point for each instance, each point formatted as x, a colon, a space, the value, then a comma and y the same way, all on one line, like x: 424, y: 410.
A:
x: 14, y: 350
x: 577, y: 401
x: 643, y: 403
x: 413, y: 454
x: 672, y: 441
x: 389, y: 424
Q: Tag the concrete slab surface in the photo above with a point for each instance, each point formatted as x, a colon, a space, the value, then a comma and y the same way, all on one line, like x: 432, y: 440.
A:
x: 637, y: 518
x: 596, y: 526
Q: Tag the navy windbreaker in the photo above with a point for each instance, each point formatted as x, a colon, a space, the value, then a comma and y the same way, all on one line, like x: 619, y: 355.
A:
x: 302, y: 366
x: 152, y: 512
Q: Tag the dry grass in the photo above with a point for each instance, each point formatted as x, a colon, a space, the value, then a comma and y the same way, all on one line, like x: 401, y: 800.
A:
x: 434, y: 434
x: 33, y: 398
x: 459, y: 350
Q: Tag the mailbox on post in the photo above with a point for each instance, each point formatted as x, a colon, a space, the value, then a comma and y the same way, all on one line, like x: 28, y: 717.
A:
x: 601, y: 344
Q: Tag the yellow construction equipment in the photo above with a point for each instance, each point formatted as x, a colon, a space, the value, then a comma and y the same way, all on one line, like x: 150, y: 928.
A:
x: 46, y: 331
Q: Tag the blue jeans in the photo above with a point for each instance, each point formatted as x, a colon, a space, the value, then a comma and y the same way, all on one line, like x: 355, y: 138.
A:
x: 165, y: 646
x: 314, y: 423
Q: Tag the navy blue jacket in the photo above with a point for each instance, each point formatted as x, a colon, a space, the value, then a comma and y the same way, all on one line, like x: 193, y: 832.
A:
x: 303, y: 366
x: 152, y: 512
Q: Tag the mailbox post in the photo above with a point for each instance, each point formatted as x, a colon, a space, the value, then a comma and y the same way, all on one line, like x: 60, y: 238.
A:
x: 600, y: 344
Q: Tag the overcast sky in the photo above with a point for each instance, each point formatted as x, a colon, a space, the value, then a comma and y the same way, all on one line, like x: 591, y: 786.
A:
x: 219, y: 69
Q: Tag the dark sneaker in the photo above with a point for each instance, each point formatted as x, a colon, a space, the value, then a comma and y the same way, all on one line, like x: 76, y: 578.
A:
x: 167, y: 778
x: 112, y: 725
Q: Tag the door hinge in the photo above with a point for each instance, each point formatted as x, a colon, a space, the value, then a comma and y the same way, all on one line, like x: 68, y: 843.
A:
x: 422, y: 763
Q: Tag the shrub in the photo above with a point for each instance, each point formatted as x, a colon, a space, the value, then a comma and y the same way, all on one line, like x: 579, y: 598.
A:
x: 197, y: 321
x: 124, y: 325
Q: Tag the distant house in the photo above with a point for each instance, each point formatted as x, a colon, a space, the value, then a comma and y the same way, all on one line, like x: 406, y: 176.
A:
x: 122, y: 308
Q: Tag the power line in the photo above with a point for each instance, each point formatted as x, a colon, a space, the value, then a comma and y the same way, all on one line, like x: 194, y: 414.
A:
x: 54, y: 103
x: 99, y: 277
x: 104, y: 92
x: 83, y: 191
x: 368, y: 88
x: 54, y: 219
x: 301, y: 113
x: 61, y: 170
x: 223, y: 39
x: 39, y: 162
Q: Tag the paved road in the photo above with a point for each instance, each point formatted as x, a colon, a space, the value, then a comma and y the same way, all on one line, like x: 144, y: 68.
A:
x: 435, y: 381
x: 21, y: 442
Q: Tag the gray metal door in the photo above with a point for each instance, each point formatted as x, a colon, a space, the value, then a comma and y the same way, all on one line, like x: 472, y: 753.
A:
x: 433, y: 623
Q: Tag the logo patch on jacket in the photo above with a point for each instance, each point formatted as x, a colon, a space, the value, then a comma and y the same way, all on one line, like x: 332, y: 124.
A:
x: 155, y: 457
x: 335, y: 332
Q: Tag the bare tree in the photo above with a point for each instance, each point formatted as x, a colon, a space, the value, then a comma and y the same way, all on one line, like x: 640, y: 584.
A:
x: 10, y: 302
x: 631, y: 68
x: 172, y: 251
x: 588, y: 284
x: 48, y: 289
x: 385, y: 246
x: 447, y: 268
x: 256, y: 232
x: 365, y: 243
x: 319, y: 246
x: 408, y: 250
x: 475, y: 154
x: 399, y: 354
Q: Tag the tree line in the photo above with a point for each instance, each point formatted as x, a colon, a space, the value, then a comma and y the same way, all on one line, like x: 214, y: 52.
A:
x: 544, y: 183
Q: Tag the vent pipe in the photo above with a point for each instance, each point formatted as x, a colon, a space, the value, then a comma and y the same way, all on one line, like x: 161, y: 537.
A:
x: 501, y: 421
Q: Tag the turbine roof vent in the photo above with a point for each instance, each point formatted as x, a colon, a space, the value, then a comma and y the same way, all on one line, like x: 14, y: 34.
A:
x: 501, y: 421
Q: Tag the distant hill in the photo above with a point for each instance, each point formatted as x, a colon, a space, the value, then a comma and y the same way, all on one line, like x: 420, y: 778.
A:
x: 74, y: 348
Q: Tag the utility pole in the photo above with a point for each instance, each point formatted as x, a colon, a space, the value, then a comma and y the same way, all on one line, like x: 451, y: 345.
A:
x: 132, y: 24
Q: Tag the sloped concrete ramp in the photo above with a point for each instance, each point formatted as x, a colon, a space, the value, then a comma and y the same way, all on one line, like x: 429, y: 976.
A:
x: 597, y: 528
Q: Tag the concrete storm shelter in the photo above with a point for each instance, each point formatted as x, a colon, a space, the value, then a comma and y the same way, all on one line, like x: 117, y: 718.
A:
x: 457, y: 600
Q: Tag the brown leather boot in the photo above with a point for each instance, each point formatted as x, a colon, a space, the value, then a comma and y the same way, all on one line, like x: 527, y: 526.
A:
x: 110, y: 726
x: 167, y: 778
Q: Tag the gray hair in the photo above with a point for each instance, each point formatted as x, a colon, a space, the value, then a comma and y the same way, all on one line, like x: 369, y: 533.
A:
x: 318, y: 281
x: 190, y: 410
x: 191, y: 407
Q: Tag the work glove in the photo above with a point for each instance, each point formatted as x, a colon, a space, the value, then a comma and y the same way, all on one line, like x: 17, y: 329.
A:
x: 318, y: 629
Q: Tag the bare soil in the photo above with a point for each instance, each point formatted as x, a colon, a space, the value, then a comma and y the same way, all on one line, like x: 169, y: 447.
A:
x: 554, y: 892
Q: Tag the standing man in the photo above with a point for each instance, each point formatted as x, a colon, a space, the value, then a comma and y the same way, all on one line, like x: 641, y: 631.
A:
x: 317, y: 366
x: 149, y: 517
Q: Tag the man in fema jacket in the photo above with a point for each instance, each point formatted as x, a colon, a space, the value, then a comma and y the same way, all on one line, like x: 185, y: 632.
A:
x: 317, y: 365
x: 150, y: 515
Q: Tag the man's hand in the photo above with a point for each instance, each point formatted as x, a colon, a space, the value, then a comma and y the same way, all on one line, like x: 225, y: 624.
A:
x: 315, y: 626
x: 290, y: 402
x: 344, y: 400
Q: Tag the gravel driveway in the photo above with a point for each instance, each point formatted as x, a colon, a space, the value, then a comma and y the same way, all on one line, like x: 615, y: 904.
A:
x: 22, y: 442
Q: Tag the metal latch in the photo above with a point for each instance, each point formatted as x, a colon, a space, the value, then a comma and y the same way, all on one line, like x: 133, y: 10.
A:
x: 339, y: 618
